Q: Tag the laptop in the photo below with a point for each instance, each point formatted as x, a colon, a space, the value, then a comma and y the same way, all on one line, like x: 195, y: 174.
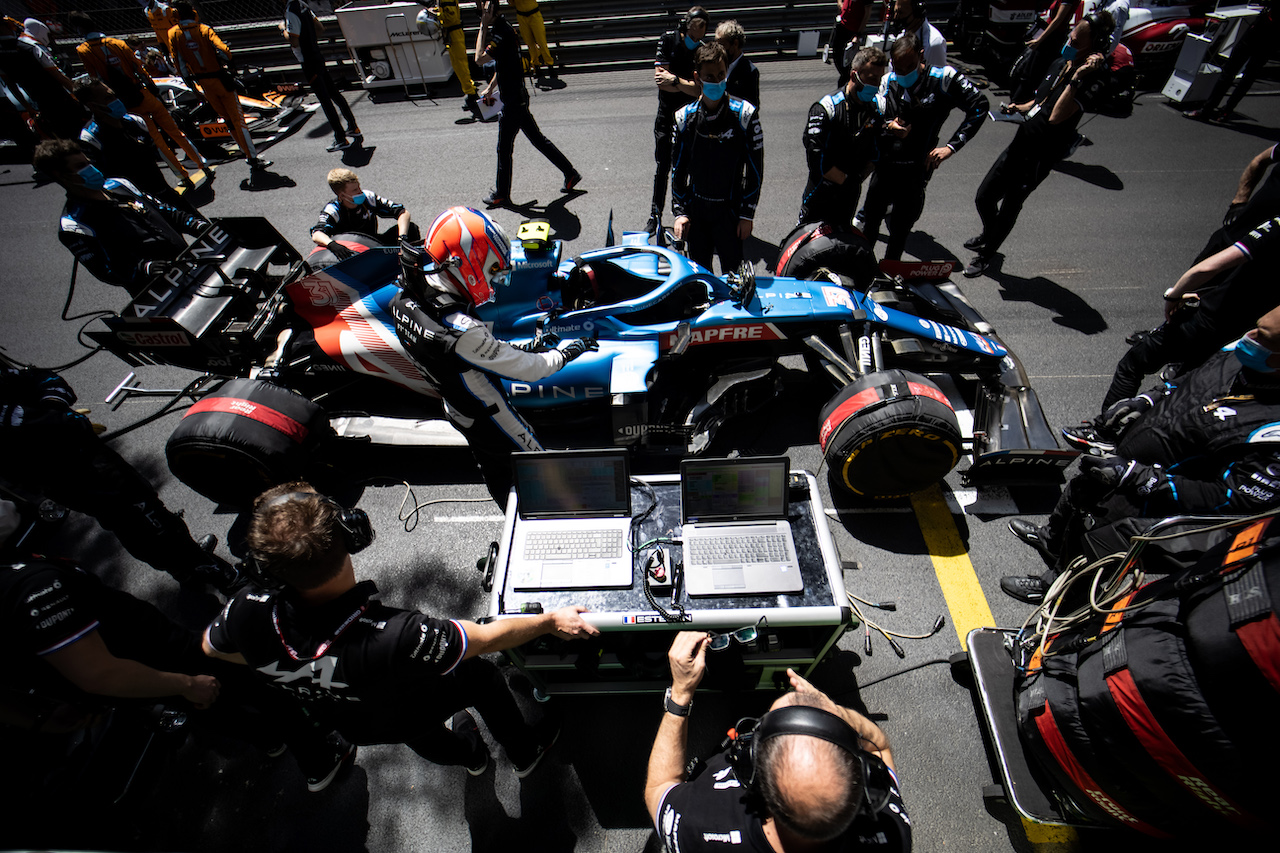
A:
x: 737, y: 540
x: 574, y: 525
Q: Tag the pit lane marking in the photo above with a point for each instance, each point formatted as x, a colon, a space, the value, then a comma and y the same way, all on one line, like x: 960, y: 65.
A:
x: 969, y: 610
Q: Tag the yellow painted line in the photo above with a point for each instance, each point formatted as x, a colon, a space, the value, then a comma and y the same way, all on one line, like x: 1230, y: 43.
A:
x: 969, y: 609
x: 959, y: 582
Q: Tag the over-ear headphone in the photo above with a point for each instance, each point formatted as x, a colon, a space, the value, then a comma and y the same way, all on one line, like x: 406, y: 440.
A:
x: 688, y: 19
x: 353, y: 525
x: 814, y: 722
x: 1098, y: 31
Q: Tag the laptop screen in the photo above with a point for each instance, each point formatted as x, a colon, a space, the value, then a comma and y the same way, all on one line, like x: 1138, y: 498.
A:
x: 573, y: 483
x: 734, y: 489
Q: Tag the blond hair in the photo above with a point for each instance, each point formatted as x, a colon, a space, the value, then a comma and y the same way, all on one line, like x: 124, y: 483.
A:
x: 340, y: 177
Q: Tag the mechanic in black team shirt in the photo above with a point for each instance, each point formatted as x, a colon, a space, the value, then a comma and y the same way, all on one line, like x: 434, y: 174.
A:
x: 497, y: 42
x: 68, y: 638
x: 52, y: 449
x: 808, y: 775
x: 356, y: 211
x: 717, y: 167
x: 301, y: 29
x: 919, y: 97
x: 119, y: 233
x: 673, y: 74
x: 1074, y: 82
x: 379, y: 674
x: 841, y: 140
x: 466, y: 256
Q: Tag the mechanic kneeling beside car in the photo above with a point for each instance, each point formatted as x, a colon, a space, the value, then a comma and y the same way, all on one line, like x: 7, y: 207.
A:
x: 809, y: 775
x: 356, y: 211
x: 1210, y: 445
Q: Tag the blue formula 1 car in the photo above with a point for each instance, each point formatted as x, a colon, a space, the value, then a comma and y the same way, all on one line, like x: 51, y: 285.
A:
x: 914, y: 378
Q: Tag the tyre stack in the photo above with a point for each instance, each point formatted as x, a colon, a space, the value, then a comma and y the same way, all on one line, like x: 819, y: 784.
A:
x: 1163, y: 719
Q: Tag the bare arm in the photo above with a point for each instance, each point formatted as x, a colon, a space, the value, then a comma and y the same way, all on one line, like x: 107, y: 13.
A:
x: 1227, y: 259
x: 402, y: 223
x: 89, y: 665
x: 1251, y: 176
x: 1056, y: 23
x: 875, y: 741
x: 482, y: 37
x: 1067, y: 105
x: 509, y: 633
x: 688, y: 659
x: 234, y: 657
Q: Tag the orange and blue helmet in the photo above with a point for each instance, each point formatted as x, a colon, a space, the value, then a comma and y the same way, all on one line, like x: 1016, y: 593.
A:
x: 473, y: 254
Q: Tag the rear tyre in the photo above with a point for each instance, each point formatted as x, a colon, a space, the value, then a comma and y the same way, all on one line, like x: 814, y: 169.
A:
x: 890, y: 434
x: 814, y: 245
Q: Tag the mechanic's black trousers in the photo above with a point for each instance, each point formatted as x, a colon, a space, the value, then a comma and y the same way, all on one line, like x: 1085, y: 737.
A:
x: 1010, y: 181
x: 663, y: 127
x: 713, y: 229
x: 516, y: 118
x: 328, y: 95
x: 901, y: 185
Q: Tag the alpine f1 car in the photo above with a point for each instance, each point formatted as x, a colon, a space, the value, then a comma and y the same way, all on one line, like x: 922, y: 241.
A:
x: 296, y: 358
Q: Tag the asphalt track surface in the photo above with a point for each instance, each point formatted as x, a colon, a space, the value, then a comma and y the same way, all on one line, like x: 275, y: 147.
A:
x: 1096, y: 245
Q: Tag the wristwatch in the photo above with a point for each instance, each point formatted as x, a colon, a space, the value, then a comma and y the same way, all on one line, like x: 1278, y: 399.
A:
x: 674, y: 707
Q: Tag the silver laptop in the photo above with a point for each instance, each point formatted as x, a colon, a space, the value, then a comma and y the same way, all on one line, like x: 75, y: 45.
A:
x: 737, y: 540
x: 574, y: 509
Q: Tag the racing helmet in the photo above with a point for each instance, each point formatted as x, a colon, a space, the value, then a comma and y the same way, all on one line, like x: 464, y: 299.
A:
x: 473, y: 254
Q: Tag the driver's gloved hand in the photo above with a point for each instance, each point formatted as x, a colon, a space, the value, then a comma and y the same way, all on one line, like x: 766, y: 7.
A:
x: 1121, y: 414
x: 577, y: 347
x: 339, y: 251
x: 157, y: 267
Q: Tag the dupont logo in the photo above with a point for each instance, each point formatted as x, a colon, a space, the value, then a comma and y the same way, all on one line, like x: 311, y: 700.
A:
x: 155, y: 339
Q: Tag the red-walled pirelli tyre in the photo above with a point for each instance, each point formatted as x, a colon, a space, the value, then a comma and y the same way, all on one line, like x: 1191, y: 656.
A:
x: 243, y: 439
x: 889, y: 434
x: 813, y: 245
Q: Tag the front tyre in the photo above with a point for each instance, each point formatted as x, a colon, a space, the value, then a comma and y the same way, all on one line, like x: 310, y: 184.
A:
x: 890, y: 434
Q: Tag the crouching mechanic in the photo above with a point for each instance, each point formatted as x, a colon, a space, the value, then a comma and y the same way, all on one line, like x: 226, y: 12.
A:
x: 1210, y: 445
x: 466, y: 256
x: 355, y: 211
x: 376, y: 673
x: 119, y: 233
x: 809, y: 775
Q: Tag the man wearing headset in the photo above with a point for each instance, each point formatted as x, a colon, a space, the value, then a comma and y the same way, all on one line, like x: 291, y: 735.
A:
x: 376, y: 673
x: 809, y: 773
x: 673, y: 74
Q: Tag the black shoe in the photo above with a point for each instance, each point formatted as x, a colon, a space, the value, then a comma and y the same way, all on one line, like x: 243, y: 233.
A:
x: 339, y: 144
x: 219, y: 574
x: 465, y: 724
x: 1035, y: 536
x: 1028, y: 589
x: 495, y: 200
x: 356, y: 135
x: 543, y: 749
x: 1087, y: 437
x: 256, y: 163
x: 977, y: 266
x: 1203, y: 114
x: 655, y: 222
x: 344, y: 755
x: 973, y: 244
x: 571, y: 181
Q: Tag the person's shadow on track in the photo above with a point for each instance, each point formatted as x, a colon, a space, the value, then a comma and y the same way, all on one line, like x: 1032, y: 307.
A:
x: 1070, y: 309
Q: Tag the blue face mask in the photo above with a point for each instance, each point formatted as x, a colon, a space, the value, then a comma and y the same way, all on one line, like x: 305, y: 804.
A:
x: 906, y: 81
x: 91, y: 177
x: 1254, y: 355
x: 865, y: 93
x: 1068, y: 52
x: 358, y: 199
x: 690, y: 43
x: 117, y: 109
x: 714, y: 91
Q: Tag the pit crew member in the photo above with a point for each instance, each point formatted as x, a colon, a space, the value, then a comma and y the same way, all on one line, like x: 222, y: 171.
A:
x: 119, y: 233
x: 204, y: 62
x: 841, y: 141
x: 717, y: 167
x: 921, y: 98
x: 52, y: 450
x: 301, y: 29
x: 380, y: 674
x: 810, y: 775
x: 464, y: 257
x: 355, y: 211
x: 1209, y: 444
x: 673, y: 75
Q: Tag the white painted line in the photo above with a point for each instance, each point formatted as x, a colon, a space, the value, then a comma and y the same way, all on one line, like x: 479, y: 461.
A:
x: 468, y: 519
x: 987, y: 500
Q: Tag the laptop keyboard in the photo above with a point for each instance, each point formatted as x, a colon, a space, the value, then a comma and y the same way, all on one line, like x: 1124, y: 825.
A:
x: 570, y: 545
x: 749, y: 548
